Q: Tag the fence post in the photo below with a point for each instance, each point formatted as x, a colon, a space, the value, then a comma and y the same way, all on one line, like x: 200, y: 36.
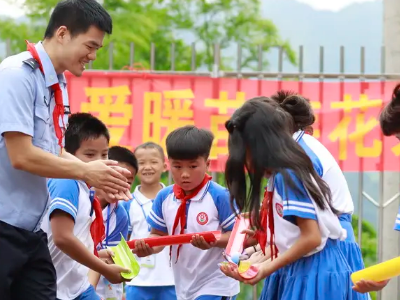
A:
x: 8, y: 47
x: 215, y: 74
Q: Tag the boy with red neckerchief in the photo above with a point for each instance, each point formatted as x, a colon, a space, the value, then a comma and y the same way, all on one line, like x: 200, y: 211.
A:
x: 193, y: 204
x: 74, y: 221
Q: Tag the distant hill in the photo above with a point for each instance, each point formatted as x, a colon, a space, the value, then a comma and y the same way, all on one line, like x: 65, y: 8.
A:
x: 355, y: 26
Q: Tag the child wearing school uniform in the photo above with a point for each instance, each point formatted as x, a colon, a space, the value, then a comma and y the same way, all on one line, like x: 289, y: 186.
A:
x: 327, y: 168
x: 72, y: 232
x: 116, y: 221
x: 297, y: 218
x: 156, y: 279
x: 193, y: 204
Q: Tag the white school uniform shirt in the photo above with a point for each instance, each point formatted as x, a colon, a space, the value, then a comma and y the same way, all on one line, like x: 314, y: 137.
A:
x: 328, y: 169
x: 197, y: 272
x: 72, y: 197
x: 116, y: 224
x: 155, y: 269
x: 289, y: 204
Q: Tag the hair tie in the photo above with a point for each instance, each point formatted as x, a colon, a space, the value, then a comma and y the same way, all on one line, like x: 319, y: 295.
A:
x: 230, y: 126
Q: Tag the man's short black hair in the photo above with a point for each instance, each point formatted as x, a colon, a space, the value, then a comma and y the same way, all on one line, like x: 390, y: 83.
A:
x: 123, y: 155
x: 151, y: 145
x: 189, y: 142
x: 83, y: 127
x: 78, y: 16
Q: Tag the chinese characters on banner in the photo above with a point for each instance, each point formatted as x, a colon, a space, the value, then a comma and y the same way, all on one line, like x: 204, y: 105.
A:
x: 217, y: 120
x: 113, y: 108
x: 138, y: 110
x: 164, y: 112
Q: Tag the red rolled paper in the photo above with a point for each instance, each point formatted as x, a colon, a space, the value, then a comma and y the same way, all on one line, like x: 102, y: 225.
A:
x: 179, y: 239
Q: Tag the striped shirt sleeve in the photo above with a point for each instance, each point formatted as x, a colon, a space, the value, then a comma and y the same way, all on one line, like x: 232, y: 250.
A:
x: 221, y: 199
x: 296, y: 200
x: 64, y: 194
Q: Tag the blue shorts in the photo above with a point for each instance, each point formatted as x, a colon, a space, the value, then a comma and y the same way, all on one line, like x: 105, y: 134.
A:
x: 89, y: 294
x: 150, y: 292
x: 211, y: 297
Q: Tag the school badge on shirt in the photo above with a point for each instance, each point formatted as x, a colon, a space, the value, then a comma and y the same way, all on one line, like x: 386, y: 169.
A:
x: 279, y: 209
x: 202, y: 218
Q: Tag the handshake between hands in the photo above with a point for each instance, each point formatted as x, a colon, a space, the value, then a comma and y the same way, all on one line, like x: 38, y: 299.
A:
x: 109, y: 180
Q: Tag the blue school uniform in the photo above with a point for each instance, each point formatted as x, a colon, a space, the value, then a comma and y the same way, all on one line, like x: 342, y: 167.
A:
x: 116, y: 224
x: 155, y: 280
x: 324, y: 272
x: 196, y: 272
x: 328, y: 169
x: 73, y: 198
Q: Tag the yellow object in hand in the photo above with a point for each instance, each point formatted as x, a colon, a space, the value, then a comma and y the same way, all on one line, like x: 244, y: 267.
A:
x: 379, y: 272
x: 244, y: 266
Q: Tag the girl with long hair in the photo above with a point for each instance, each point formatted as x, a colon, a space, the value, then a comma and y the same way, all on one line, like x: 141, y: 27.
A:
x: 297, y: 206
x: 327, y: 168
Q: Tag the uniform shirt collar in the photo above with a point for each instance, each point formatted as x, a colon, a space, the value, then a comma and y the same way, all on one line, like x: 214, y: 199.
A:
x: 200, y: 195
x: 140, y: 198
x: 50, y: 75
x: 298, y: 135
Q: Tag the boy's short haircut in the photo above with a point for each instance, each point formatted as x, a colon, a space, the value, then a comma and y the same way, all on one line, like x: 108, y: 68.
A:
x: 151, y: 145
x: 189, y: 143
x: 83, y: 127
x: 123, y: 155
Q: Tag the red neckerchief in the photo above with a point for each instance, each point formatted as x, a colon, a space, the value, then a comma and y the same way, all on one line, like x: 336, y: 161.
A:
x: 181, y: 213
x: 59, y: 108
x: 267, y: 220
x: 97, y: 229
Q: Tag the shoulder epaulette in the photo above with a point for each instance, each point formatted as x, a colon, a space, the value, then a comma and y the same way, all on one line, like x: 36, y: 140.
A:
x: 32, y: 63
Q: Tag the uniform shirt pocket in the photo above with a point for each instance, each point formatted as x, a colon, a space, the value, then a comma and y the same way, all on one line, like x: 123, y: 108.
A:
x: 41, y: 137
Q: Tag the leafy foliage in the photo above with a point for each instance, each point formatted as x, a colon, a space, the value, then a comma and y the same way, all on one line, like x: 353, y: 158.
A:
x: 163, y: 23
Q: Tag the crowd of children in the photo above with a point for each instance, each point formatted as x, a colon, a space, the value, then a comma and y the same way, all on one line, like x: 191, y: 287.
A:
x: 302, y: 239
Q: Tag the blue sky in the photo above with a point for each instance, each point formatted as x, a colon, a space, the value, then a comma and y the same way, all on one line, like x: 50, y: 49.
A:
x: 333, y: 5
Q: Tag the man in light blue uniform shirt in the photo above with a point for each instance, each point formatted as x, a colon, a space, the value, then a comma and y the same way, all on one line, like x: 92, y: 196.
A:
x: 29, y: 149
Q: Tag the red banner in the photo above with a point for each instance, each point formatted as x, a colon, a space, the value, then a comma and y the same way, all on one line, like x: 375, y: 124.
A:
x: 145, y: 107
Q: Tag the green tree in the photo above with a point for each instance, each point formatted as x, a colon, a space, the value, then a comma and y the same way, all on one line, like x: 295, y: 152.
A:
x: 369, y: 243
x: 228, y: 22
x: 162, y: 22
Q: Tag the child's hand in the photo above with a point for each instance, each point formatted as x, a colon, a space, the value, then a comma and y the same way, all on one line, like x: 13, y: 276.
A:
x: 106, y: 255
x: 199, y: 242
x: 113, y: 274
x: 248, y: 252
x: 231, y: 270
x: 113, y: 198
x: 263, y: 272
x: 122, y: 195
x: 250, y: 239
x: 142, y: 249
x: 366, y: 286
